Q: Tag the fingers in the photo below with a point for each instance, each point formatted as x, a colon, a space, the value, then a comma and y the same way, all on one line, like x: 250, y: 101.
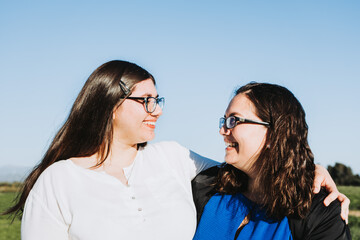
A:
x: 323, y: 179
x: 345, y: 203
x: 318, y: 181
x: 331, y: 197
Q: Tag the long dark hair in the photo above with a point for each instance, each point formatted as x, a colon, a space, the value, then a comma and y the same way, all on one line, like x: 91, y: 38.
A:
x: 285, y: 166
x: 88, y: 128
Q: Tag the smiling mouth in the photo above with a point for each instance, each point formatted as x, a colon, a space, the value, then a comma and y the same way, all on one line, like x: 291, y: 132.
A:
x: 150, y: 124
x: 231, y: 145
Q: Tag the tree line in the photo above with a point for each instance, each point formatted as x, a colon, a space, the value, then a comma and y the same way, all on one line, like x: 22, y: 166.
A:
x: 343, y: 175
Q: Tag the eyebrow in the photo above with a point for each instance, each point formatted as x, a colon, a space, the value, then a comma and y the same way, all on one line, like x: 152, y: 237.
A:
x: 149, y: 95
x: 233, y: 114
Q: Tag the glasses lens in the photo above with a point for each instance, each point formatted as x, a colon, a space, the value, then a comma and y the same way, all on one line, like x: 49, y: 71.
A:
x: 221, y: 122
x: 150, y: 104
x: 161, y: 102
x: 230, y: 122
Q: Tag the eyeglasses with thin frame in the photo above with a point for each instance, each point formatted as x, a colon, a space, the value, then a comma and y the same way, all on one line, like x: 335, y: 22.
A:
x: 232, y: 121
x: 150, y: 103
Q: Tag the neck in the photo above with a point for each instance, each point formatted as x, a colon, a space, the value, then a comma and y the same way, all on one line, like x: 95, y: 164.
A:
x: 121, y: 155
x: 254, y: 190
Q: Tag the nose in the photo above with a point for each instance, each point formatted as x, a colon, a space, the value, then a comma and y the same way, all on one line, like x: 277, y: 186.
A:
x: 224, y: 131
x: 157, y: 112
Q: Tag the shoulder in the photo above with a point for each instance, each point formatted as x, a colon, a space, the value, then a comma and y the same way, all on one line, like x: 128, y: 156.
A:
x: 46, y: 203
x: 169, y: 149
x: 165, y: 145
x: 57, y: 168
x: 51, y: 186
x: 322, y: 222
x: 202, y: 184
x: 53, y: 175
x: 202, y: 187
x: 206, y: 177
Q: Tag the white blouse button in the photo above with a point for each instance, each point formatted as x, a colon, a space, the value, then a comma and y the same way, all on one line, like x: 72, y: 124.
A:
x: 139, y: 209
x: 133, y: 197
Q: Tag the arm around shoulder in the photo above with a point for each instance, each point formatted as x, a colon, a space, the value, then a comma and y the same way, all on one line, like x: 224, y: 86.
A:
x: 190, y: 161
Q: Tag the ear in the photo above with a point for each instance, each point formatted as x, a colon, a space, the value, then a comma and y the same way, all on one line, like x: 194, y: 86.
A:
x: 114, y: 116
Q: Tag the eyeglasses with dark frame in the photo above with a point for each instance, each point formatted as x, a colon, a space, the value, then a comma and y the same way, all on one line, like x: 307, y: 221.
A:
x: 150, y: 102
x: 232, y: 121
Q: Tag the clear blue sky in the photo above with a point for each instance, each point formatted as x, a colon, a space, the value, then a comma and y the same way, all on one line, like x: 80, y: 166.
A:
x: 198, y: 51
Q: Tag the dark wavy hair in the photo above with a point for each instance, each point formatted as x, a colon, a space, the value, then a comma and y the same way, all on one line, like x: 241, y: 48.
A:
x: 285, y: 166
x: 88, y: 128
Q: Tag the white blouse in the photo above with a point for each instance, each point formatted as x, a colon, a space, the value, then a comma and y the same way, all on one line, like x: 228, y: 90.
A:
x: 71, y: 202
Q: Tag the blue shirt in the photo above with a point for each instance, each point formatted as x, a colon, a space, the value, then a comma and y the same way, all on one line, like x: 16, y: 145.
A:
x: 223, y: 215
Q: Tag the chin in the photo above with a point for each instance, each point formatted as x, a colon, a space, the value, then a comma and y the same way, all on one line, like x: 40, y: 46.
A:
x: 230, y: 160
x: 148, y: 138
x: 234, y: 161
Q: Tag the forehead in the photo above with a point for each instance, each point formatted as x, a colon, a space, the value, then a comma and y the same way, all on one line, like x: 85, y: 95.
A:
x: 241, y: 105
x: 145, y: 87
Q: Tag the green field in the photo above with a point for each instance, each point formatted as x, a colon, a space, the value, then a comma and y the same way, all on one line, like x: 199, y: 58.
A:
x: 8, y: 231
x: 12, y: 231
x: 353, y: 193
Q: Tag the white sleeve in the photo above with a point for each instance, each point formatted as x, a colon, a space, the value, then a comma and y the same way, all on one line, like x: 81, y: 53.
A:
x: 199, y: 163
x: 39, y: 223
x: 191, y: 162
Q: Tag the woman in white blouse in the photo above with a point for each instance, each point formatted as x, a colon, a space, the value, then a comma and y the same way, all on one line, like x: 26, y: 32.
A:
x: 100, y: 179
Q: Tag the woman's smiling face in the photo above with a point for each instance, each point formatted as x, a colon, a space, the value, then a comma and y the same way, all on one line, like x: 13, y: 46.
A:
x: 131, y: 123
x: 245, y: 141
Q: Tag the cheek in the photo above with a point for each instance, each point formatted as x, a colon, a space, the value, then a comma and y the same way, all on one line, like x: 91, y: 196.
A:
x: 127, y: 123
x: 251, y: 140
x: 130, y: 112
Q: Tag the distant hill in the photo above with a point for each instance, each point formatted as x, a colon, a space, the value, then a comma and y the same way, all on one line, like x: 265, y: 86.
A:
x: 13, y: 173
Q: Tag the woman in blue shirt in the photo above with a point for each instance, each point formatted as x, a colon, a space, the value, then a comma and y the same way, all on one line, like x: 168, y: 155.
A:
x: 264, y: 188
